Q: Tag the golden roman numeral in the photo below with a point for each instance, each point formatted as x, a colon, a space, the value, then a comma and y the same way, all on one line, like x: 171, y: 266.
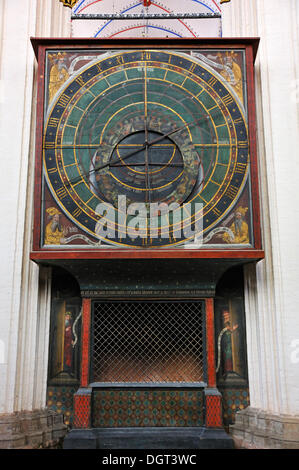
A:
x: 240, y: 168
x: 120, y: 60
x: 212, y: 81
x: 80, y: 81
x: 146, y: 55
x: 232, y: 192
x: 77, y: 212
x: 144, y: 241
x: 61, y: 193
x: 227, y: 99
x: 98, y: 66
x: 51, y: 171
x: 243, y: 144
x: 192, y: 68
x: 238, y: 121
x: 216, y: 211
x: 63, y: 100
x: 53, y: 122
x: 49, y: 145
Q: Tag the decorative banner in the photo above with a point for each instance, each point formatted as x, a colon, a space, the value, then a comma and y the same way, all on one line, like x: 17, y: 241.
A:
x: 69, y: 3
x: 219, y: 230
x: 82, y: 237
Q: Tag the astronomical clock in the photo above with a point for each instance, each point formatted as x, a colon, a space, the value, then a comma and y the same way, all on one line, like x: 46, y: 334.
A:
x: 146, y: 145
x: 146, y: 192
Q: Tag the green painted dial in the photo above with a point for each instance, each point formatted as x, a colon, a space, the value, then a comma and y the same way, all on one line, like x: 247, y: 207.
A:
x: 153, y: 126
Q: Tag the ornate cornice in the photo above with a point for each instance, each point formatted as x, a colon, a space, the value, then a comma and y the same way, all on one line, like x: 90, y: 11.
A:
x: 69, y: 3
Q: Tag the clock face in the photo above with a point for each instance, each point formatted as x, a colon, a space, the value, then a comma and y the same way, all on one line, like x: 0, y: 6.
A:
x: 146, y: 139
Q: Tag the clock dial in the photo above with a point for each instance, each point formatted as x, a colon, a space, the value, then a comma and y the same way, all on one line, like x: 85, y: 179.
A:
x: 153, y: 127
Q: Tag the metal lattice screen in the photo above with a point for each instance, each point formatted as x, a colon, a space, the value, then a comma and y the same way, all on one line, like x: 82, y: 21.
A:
x: 148, y: 342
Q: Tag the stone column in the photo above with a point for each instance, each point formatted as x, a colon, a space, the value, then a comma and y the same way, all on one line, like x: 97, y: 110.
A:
x: 24, y: 288
x: 271, y: 290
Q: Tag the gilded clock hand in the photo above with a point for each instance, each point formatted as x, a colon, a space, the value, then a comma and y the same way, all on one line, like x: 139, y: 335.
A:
x: 130, y: 154
x: 153, y: 142
x: 116, y: 160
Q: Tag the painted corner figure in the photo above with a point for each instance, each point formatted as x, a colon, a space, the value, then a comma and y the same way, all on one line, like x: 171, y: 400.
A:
x: 239, y: 228
x: 58, y: 74
x: 55, y: 233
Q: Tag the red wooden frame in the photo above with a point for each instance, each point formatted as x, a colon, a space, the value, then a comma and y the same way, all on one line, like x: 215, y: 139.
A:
x: 40, y: 45
x: 86, y: 323
x: 210, y: 341
x: 212, y: 395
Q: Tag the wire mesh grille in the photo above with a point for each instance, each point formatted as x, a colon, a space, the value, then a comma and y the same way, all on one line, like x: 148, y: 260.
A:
x: 148, y: 342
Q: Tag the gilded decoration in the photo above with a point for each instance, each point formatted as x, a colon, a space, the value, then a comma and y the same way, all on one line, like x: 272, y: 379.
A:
x: 58, y: 73
x: 54, y: 233
x: 239, y: 228
x: 232, y: 72
x: 69, y: 3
